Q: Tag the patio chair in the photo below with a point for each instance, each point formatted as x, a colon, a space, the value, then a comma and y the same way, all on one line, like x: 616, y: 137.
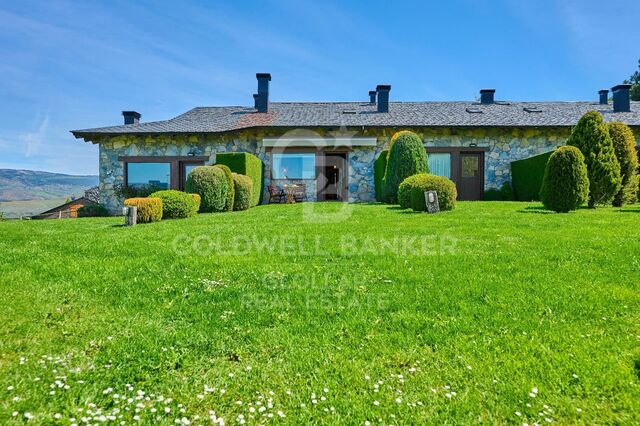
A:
x: 300, y: 193
x: 276, y: 195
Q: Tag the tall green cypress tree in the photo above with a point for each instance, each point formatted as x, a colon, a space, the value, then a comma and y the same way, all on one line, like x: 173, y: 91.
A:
x: 624, y: 144
x: 407, y: 157
x: 591, y: 137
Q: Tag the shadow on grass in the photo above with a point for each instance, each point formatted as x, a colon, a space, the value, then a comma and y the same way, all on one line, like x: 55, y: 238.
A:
x: 630, y: 211
x: 536, y: 210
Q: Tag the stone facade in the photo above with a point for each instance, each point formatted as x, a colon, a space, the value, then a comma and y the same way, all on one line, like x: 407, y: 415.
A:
x: 504, y: 146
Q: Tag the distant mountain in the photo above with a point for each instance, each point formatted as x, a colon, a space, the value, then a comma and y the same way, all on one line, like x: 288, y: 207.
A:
x: 18, y: 185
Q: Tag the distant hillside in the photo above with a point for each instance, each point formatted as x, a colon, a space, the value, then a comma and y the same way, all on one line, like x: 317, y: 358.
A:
x: 19, y: 185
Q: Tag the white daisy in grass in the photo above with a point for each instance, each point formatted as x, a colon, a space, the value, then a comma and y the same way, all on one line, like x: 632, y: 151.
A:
x: 376, y: 403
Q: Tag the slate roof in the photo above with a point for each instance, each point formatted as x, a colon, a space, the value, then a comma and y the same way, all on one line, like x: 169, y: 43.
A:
x: 407, y: 114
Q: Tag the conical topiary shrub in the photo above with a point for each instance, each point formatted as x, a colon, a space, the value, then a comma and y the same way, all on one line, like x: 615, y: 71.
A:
x: 565, y: 185
x: 624, y: 144
x: 407, y: 157
x: 591, y: 137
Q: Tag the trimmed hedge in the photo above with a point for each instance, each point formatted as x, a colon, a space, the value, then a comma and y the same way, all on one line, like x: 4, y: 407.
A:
x: 407, y: 157
x: 246, y: 164
x: 412, y: 189
x: 177, y: 204
x: 565, y: 186
x: 591, y: 137
x: 149, y: 209
x: 526, y: 176
x: 211, y: 184
x: 624, y: 144
x: 93, y: 210
x: 228, y: 205
x: 243, y: 188
x: 379, y: 167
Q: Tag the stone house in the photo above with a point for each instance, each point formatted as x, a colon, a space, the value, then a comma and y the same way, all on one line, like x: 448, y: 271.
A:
x: 330, y: 147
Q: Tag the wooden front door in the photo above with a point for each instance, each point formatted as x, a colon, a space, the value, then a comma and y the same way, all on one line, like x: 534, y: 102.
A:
x: 471, y: 177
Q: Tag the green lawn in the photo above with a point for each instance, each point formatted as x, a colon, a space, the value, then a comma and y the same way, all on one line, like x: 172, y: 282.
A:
x: 493, y: 313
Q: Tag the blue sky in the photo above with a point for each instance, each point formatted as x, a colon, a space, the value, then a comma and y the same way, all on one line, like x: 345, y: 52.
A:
x: 69, y: 65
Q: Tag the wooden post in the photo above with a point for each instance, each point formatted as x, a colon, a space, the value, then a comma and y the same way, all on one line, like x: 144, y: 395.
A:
x: 130, y: 215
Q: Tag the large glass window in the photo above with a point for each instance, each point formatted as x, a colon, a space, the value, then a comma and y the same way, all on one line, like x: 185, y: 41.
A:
x: 440, y: 164
x: 293, y: 166
x: 149, y: 174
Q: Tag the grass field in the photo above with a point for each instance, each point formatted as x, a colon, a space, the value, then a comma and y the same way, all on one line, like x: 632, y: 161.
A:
x: 493, y: 313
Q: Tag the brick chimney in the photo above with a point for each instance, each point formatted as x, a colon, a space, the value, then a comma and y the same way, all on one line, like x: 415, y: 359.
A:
x: 486, y: 96
x: 131, y: 117
x: 621, y: 98
x: 262, y: 100
x: 383, y: 97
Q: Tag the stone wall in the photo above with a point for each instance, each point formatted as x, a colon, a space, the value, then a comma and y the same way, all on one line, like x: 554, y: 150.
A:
x: 504, y: 145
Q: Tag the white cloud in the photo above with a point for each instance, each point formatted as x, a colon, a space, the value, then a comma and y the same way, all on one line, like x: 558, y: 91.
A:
x: 34, y: 139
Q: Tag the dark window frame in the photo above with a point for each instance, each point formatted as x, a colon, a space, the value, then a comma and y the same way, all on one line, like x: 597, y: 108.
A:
x: 176, y: 166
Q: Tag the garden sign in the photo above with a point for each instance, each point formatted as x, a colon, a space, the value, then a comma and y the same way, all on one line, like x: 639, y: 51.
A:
x: 431, y: 200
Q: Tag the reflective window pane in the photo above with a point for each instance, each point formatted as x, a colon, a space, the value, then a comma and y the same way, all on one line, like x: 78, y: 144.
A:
x: 440, y: 164
x: 149, y: 174
x: 470, y: 166
x: 293, y: 166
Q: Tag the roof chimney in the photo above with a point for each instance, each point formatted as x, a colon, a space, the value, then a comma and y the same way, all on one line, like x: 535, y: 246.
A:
x: 383, y: 97
x: 486, y: 96
x: 131, y: 117
x: 372, y: 96
x: 604, y: 96
x: 262, y: 100
x: 621, y: 98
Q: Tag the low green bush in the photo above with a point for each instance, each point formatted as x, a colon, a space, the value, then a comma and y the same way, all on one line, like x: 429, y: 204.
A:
x: 411, y: 191
x: 93, y: 210
x: 211, y: 184
x: 246, y: 164
x: 505, y: 193
x: 228, y: 205
x: 526, y: 176
x: 379, y: 167
x: 149, y: 209
x: 407, y: 157
x: 139, y: 191
x: 565, y: 185
x: 243, y: 187
x: 198, y: 200
x: 177, y: 204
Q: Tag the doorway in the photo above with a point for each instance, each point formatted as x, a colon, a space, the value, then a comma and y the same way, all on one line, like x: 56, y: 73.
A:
x: 471, y: 178
x: 332, y: 176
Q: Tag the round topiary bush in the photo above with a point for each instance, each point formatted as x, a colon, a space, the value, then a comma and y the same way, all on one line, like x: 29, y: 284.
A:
x: 177, y: 204
x: 149, y: 209
x: 211, y: 184
x: 93, y: 210
x: 231, y: 192
x: 407, y: 157
x: 624, y: 144
x: 412, y: 189
x: 591, y: 137
x: 243, y: 187
x: 565, y: 185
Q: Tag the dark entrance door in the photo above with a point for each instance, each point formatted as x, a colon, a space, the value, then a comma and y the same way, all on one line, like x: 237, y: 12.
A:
x: 471, y: 180
x: 332, y: 176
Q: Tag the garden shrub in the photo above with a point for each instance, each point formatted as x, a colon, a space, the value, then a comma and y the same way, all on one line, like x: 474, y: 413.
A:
x: 407, y: 157
x: 565, y: 185
x: 505, y: 193
x: 246, y: 164
x: 379, y: 167
x: 624, y: 145
x: 228, y: 205
x: 591, y: 137
x: 526, y: 176
x: 177, y: 204
x: 211, y: 184
x: 139, y: 191
x: 93, y: 210
x: 196, y: 199
x: 149, y: 209
x: 243, y: 188
x: 412, y: 189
